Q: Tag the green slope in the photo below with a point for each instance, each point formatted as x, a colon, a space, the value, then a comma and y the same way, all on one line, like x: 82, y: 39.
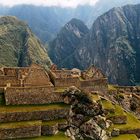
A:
x: 18, y: 45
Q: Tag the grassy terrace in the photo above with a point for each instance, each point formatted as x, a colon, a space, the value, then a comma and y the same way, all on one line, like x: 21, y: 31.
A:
x: 132, y: 123
x: 30, y: 108
x: 111, y: 87
x: 19, y: 124
x: 95, y: 97
x: 126, y: 137
x: 59, y: 136
x: 51, y: 123
x: 60, y: 89
x: 107, y: 105
x: 118, y: 112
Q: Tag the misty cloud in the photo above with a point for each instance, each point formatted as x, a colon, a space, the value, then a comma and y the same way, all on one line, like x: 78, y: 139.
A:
x: 62, y: 3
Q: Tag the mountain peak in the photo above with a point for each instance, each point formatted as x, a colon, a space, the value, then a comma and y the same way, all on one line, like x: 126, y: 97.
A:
x: 18, y: 45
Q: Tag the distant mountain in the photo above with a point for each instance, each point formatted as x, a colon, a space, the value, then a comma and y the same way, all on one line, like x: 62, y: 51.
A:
x: 112, y: 44
x: 66, y: 41
x: 46, y: 22
x: 19, y: 46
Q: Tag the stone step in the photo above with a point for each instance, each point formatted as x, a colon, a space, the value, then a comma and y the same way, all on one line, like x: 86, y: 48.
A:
x: 20, y: 130
x: 33, y: 112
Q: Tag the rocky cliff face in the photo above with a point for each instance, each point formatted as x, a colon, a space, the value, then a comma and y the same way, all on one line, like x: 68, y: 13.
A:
x: 19, y: 46
x: 67, y: 41
x: 112, y: 44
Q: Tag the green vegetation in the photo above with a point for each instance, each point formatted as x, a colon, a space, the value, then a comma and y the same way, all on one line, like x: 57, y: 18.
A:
x: 19, y: 47
x: 132, y: 123
x: 118, y: 112
x: 30, y: 108
x: 59, y: 136
x: 60, y: 90
x: 50, y: 123
x: 111, y: 87
x: 95, y: 97
x: 125, y: 137
x: 19, y: 124
x: 107, y: 104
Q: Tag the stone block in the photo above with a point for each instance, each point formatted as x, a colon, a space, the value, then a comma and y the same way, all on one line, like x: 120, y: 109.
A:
x: 15, y: 132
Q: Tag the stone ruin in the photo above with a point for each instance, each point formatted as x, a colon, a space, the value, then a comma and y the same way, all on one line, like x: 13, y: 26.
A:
x: 89, y: 80
x: 31, y: 98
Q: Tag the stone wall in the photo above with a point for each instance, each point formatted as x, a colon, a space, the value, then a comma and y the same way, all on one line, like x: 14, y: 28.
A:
x: 119, y: 119
x: 4, y: 80
x: 49, y: 130
x: 20, y: 132
x: 24, y: 115
x: 31, y: 95
x: 94, y: 85
x: 132, y: 89
x: 133, y: 131
x: 67, y: 82
x: 37, y: 77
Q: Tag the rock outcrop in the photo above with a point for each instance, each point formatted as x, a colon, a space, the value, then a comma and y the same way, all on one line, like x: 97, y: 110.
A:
x: 84, y: 119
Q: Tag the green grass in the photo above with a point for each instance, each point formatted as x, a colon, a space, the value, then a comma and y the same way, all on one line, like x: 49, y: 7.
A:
x: 107, y: 104
x: 118, y: 111
x: 51, y: 123
x: 95, y: 97
x: 30, y: 108
x: 126, y: 137
x: 19, y: 124
x: 60, y: 90
x: 59, y: 136
x: 111, y: 87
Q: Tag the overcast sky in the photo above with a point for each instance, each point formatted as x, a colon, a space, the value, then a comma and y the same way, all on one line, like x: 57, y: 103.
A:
x: 62, y: 3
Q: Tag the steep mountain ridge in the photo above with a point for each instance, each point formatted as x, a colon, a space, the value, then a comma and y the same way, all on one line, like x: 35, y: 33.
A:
x: 18, y: 45
x: 47, y: 21
x: 112, y: 44
x: 67, y: 41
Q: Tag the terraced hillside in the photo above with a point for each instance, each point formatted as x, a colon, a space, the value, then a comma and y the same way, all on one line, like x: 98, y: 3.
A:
x: 18, y: 45
x: 125, y: 126
x: 32, y: 121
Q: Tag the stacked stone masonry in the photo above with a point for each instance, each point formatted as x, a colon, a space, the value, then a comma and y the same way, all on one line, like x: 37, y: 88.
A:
x: 28, y: 87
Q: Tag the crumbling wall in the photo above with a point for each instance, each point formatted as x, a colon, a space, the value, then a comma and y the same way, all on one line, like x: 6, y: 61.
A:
x: 32, y: 95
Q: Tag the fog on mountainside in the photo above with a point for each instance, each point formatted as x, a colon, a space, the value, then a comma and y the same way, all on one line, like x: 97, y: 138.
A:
x: 46, y: 22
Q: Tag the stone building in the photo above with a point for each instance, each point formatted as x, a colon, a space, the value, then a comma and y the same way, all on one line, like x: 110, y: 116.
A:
x: 29, y: 101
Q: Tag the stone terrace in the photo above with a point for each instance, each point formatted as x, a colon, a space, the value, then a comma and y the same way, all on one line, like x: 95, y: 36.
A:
x: 31, y: 102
